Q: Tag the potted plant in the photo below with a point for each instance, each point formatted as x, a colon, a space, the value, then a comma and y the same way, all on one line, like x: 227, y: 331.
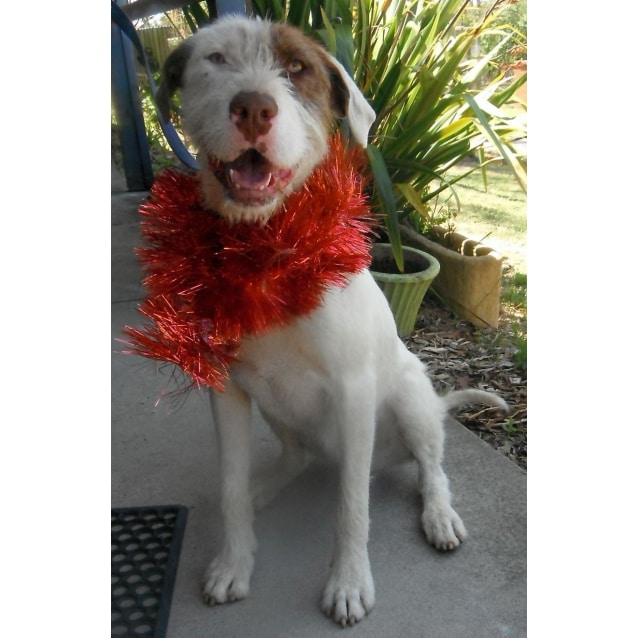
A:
x: 438, y: 102
x: 437, y: 105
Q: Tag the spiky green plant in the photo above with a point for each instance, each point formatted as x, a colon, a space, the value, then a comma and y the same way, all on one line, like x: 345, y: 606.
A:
x: 436, y: 104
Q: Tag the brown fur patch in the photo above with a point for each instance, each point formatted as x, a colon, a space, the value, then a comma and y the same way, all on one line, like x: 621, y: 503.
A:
x: 317, y: 83
x: 213, y: 195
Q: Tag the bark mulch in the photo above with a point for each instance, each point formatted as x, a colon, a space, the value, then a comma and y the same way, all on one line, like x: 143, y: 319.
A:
x: 460, y: 356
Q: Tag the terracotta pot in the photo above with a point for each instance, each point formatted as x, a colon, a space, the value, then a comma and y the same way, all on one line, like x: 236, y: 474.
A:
x: 470, y: 278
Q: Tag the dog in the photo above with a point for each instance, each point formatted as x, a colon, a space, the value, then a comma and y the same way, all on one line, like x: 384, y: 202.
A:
x: 259, y: 100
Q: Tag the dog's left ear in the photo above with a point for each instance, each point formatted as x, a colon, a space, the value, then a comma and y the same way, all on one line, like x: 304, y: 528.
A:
x: 349, y: 102
x: 171, y: 79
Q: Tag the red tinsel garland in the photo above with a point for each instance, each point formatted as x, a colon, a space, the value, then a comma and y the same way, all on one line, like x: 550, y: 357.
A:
x: 210, y: 282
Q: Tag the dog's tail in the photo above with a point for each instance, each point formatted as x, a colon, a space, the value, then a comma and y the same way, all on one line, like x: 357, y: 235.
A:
x: 459, y: 398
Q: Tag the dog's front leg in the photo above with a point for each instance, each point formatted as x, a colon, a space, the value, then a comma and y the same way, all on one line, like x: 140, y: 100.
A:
x: 228, y: 576
x: 349, y: 592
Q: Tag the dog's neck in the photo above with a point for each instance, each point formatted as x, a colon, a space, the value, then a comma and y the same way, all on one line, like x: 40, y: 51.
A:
x: 210, y: 282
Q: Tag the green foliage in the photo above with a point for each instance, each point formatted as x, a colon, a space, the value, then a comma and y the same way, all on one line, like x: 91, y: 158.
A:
x: 516, y: 293
x: 436, y: 104
x: 514, y: 301
x: 433, y: 110
x: 199, y: 14
x: 514, y: 18
x: 510, y: 426
x: 520, y: 359
x: 159, y: 149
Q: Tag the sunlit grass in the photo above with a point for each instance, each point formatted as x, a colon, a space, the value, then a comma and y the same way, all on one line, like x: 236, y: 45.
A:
x: 498, y: 217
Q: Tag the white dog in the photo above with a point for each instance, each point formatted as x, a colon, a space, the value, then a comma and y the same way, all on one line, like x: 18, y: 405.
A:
x: 261, y: 98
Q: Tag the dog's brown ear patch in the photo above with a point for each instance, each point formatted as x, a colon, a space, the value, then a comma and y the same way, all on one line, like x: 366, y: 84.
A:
x: 171, y: 79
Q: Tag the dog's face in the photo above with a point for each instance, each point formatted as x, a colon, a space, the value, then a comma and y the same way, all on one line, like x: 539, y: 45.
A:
x: 259, y: 101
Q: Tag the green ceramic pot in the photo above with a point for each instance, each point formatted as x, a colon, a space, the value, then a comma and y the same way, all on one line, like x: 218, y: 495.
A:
x: 404, y: 291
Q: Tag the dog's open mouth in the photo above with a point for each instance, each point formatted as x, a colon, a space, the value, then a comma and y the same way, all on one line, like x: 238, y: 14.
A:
x: 251, y: 179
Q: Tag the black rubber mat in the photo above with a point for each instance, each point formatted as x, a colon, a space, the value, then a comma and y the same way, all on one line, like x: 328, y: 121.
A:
x: 145, y: 548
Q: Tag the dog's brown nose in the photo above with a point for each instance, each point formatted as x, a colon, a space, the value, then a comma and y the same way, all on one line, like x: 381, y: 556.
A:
x: 253, y: 113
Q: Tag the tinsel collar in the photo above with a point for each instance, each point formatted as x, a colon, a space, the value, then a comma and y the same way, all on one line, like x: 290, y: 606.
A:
x: 210, y: 282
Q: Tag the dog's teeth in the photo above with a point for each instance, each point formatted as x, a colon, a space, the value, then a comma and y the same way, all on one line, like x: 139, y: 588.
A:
x: 266, y: 184
x: 239, y: 184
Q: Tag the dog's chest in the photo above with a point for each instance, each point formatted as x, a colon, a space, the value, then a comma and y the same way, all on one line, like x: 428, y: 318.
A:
x: 295, y: 374
x: 285, y: 375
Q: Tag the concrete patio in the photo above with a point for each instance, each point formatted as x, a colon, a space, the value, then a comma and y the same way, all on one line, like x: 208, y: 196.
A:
x: 166, y: 454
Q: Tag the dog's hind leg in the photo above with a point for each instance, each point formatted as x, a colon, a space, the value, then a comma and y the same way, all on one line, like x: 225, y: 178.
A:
x: 420, y: 416
x: 267, y: 482
x: 228, y: 576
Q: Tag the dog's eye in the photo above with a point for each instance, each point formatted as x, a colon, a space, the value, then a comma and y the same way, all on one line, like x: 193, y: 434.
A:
x: 217, y: 58
x: 296, y: 66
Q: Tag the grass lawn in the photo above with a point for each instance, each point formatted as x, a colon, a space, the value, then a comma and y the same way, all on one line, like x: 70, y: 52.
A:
x: 498, y: 217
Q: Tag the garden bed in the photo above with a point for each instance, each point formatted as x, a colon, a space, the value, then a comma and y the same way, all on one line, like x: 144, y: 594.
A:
x: 460, y: 356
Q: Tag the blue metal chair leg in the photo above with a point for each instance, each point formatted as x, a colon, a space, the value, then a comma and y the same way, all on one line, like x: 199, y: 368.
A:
x: 136, y: 157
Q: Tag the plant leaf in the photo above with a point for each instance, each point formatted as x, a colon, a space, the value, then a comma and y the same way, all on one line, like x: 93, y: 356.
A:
x: 508, y: 156
x: 387, y: 201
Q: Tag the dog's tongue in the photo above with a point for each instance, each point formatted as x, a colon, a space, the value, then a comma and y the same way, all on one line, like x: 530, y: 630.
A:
x: 250, y: 170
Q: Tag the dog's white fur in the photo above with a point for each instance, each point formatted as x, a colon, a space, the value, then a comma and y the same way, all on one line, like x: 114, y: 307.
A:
x: 339, y: 381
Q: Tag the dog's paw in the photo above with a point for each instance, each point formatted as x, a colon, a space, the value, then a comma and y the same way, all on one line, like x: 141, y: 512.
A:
x: 227, y: 580
x: 443, y: 527
x: 348, y: 595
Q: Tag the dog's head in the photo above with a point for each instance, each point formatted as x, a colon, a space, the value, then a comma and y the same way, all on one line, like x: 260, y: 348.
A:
x: 259, y: 101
